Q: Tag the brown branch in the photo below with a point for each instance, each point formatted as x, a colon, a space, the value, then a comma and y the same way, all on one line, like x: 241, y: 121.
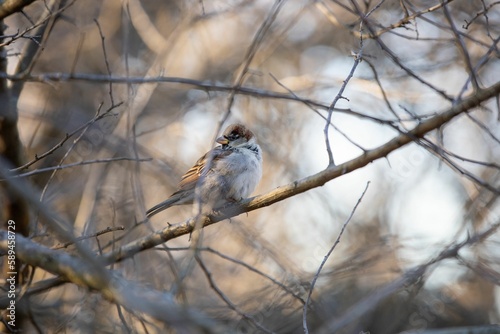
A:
x: 204, y: 85
x: 307, y: 183
x: 9, y: 7
x: 13, y: 206
x: 130, y: 80
x: 115, y: 288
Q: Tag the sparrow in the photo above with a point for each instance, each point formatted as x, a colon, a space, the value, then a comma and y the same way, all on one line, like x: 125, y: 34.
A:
x: 228, y: 173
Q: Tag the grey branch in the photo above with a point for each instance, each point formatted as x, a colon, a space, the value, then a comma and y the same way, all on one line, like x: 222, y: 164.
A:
x: 410, y: 277
x: 76, y: 164
x: 116, y: 289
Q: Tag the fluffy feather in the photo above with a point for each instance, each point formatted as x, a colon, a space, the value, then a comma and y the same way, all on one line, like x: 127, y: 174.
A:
x: 228, y: 173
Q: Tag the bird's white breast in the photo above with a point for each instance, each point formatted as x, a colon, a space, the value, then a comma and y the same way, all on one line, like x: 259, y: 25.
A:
x: 240, y: 173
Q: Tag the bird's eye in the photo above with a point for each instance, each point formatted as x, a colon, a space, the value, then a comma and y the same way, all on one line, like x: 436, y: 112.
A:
x: 233, y: 136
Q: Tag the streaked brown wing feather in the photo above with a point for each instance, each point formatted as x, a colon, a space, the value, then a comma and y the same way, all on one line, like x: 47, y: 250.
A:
x: 190, y: 178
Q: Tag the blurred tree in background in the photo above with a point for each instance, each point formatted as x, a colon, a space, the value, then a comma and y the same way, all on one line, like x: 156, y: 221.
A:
x: 380, y: 126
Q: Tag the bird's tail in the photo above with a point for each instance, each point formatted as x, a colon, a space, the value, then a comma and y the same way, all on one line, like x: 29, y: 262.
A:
x: 160, y: 207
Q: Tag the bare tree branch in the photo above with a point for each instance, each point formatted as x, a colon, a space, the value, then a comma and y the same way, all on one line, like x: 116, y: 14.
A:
x: 307, y: 183
x: 357, y: 59
x: 410, y: 277
x: 9, y: 7
x: 461, y: 46
x: 394, y: 57
x: 422, y: 92
x: 327, y: 256
x: 93, y: 235
x: 62, y: 141
x: 226, y: 300
x: 115, y: 288
x: 251, y: 52
x: 247, y: 266
x: 75, y: 164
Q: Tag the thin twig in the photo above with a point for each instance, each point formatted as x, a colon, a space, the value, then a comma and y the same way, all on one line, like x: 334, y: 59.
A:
x: 410, y: 277
x: 243, y: 264
x: 75, y: 164
x: 382, y: 91
x: 32, y: 51
x: 462, y: 48
x: 394, y: 58
x: 327, y: 256
x: 316, y: 111
x: 226, y: 300
x: 473, y: 161
x: 251, y: 52
x: 65, y: 156
x: 404, y: 21
x: 357, y: 60
x: 66, y: 137
x: 110, y: 284
x: 18, y: 35
x: 93, y: 235
x: 478, y: 14
x: 484, y: 128
x: 79, y: 47
x: 108, y: 68
x: 439, y: 153
x: 204, y: 85
x: 122, y: 319
x: 481, y: 62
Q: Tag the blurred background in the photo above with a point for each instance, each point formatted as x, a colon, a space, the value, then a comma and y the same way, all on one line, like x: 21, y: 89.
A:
x: 418, y: 57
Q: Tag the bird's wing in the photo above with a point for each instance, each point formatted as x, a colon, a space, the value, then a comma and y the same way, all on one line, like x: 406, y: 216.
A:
x: 191, y: 177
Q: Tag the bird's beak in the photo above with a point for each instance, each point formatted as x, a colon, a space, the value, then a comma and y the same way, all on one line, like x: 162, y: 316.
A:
x: 222, y: 140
